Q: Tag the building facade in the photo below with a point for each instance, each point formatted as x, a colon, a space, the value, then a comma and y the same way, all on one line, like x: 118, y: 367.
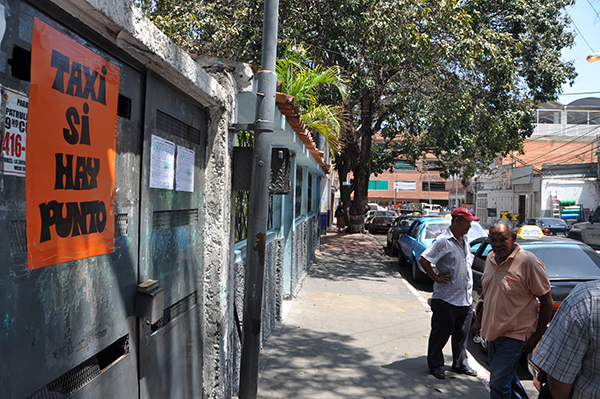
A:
x: 559, y: 165
x: 409, y: 185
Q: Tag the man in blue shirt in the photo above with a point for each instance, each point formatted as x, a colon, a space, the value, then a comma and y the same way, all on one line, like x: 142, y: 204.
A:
x: 451, y: 302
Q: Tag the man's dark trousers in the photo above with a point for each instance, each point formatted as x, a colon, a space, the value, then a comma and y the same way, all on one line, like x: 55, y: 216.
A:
x: 449, y: 320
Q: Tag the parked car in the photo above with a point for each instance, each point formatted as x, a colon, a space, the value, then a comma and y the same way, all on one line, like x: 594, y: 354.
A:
x: 399, y: 226
x: 381, y: 221
x: 588, y: 232
x: 368, y: 218
x: 568, y: 262
x: 420, y: 235
x: 375, y: 207
x: 550, y: 226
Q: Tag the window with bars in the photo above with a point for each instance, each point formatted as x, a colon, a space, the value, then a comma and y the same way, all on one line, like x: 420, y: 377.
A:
x: 378, y: 184
x: 298, y: 191
x: 245, y: 139
x: 309, y: 193
x: 435, y: 186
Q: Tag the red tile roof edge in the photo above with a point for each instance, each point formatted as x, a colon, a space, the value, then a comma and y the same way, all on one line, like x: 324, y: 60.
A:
x: 291, y: 111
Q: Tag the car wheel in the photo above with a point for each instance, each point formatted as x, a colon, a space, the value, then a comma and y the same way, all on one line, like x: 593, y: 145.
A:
x: 417, y: 275
x: 394, y: 249
x: 389, y: 244
x: 401, y: 259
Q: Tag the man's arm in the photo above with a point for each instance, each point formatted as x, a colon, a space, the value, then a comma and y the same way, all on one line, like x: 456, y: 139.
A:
x: 559, y: 390
x: 443, y: 278
x: 546, y: 304
x: 476, y: 326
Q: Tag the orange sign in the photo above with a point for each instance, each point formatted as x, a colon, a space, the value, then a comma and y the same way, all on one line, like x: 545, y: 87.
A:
x: 71, y: 143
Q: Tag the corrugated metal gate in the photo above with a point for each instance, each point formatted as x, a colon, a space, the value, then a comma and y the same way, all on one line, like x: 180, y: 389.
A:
x: 69, y: 329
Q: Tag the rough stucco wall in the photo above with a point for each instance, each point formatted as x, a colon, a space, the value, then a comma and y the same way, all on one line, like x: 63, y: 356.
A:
x: 217, y: 317
x: 236, y: 339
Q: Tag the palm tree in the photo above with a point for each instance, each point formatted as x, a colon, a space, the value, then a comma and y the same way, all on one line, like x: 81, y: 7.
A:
x: 302, y: 82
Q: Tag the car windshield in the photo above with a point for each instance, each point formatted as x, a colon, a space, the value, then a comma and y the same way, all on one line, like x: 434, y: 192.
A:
x: 567, y: 260
x: 432, y: 230
x: 390, y: 214
x: 552, y: 221
x: 476, y: 231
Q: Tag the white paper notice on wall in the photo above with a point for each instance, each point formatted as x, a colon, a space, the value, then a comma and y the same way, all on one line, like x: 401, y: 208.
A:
x: 184, y: 169
x: 162, y: 163
x: 12, y: 149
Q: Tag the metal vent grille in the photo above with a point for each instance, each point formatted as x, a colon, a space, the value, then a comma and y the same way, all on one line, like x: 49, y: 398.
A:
x: 170, y: 125
x: 121, y: 223
x: 167, y: 219
x: 18, y: 236
x: 75, y: 379
x: 176, y: 310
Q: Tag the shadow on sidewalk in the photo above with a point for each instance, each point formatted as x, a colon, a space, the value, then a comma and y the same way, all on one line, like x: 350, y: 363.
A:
x: 303, y: 363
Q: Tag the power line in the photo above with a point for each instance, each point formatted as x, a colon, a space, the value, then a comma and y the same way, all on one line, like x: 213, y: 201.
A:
x: 591, y: 5
x: 578, y: 94
x: 587, y: 151
x: 577, y: 138
x: 578, y: 31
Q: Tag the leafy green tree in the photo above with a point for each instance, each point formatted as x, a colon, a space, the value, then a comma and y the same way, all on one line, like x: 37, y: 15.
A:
x: 302, y: 81
x: 458, y: 79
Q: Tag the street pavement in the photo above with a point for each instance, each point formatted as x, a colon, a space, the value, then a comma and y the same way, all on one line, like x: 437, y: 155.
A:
x: 358, y: 328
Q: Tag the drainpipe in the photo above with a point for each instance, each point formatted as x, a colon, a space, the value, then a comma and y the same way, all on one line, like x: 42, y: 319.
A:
x: 258, y: 204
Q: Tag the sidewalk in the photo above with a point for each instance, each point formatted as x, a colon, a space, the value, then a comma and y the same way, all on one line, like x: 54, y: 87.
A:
x: 356, y: 330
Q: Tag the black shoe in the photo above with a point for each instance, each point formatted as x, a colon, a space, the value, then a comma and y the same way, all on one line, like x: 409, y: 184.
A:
x: 470, y: 372
x: 438, y: 373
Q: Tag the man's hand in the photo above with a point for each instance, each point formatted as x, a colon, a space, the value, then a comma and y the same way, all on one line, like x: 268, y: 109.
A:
x: 443, y: 278
x: 476, y: 326
x: 531, y: 344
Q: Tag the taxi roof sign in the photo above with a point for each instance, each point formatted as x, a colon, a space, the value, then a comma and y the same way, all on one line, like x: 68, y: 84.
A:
x: 530, y: 231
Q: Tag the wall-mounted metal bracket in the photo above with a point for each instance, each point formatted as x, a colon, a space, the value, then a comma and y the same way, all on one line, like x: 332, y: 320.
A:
x: 149, y: 301
x: 242, y: 127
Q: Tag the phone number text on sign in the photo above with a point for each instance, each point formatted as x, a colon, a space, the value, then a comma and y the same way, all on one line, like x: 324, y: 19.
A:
x: 14, y: 136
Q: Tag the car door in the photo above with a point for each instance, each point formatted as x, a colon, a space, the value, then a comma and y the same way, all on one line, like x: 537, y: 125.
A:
x: 478, y: 268
x: 407, y: 240
x: 392, y: 230
x: 591, y: 232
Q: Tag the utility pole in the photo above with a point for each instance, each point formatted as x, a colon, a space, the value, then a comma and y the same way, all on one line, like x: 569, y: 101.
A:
x: 258, y: 204
x: 456, y: 191
x: 429, y: 185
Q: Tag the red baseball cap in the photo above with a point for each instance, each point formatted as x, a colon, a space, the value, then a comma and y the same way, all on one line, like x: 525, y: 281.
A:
x: 464, y: 213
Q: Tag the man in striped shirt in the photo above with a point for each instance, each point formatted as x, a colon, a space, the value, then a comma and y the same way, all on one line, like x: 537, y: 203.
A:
x: 451, y: 302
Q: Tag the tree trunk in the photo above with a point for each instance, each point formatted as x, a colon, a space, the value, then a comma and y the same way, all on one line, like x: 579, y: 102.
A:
x: 361, y: 171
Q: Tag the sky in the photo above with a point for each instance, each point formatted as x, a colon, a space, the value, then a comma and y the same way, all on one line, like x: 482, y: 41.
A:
x: 586, y: 25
